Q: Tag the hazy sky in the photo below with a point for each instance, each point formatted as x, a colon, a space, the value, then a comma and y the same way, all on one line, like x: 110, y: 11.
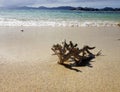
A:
x: 50, y: 3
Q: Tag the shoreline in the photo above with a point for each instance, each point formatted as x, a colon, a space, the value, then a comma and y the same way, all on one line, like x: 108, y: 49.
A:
x: 53, y: 23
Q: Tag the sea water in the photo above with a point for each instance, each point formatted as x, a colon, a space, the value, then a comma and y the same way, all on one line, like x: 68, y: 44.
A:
x: 36, y: 17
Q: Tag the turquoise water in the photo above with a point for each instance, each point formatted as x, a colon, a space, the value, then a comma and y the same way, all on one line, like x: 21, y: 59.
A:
x: 58, y: 18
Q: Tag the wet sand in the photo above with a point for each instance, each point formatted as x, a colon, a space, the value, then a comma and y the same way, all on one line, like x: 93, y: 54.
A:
x: 26, y: 63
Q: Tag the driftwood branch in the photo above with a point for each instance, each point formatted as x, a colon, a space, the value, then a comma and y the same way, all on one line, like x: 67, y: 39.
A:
x: 67, y: 51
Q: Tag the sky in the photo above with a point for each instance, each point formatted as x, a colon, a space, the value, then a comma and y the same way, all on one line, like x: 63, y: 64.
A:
x: 54, y: 3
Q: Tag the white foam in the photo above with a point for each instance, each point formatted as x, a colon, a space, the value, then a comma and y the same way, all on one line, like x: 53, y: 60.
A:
x: 55, y: 23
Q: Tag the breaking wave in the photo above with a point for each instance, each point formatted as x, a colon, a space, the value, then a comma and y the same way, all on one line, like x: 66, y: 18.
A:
x: 56, y: 23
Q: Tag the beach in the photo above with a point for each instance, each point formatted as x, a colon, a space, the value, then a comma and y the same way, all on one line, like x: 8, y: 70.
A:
x: 27, y: 63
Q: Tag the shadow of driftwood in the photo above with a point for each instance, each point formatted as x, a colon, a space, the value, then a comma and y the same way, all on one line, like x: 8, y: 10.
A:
x: 118, y: 39
x: 69, y: 66
x: 83, y: 63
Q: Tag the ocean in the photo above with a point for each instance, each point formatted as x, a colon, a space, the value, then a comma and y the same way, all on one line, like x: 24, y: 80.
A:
x: 32, y: 17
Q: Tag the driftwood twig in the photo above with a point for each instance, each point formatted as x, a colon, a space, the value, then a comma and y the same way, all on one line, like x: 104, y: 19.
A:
x: 67, y: 51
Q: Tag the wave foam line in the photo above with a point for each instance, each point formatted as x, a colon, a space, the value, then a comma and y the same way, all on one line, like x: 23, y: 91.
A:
x: 14, y: 22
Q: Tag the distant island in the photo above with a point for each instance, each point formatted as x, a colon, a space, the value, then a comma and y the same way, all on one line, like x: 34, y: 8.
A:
x: 66, y: 8
x: 96, y: 9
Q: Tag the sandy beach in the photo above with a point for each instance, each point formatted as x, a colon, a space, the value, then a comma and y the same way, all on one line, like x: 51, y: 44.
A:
x: 27, y: 63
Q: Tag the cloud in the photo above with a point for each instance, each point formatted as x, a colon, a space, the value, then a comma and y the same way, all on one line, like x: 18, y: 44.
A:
x: 10, y: 3
x: 16, y: 2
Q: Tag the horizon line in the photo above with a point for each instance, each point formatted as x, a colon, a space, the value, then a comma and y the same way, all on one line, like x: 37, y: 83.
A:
x: 56, y: 7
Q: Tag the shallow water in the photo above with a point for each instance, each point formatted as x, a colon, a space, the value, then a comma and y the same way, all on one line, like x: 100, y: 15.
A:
x: 32, y: 17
